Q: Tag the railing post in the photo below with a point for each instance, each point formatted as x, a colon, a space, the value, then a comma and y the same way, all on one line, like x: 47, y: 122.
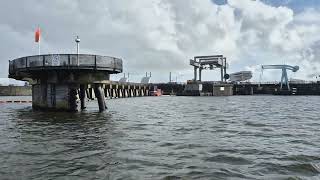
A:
x: 68, y: 60
x: 43, y: 60
x: 95, y: 62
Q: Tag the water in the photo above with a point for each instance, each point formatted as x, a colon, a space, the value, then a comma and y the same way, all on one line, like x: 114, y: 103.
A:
x: 238, y: 137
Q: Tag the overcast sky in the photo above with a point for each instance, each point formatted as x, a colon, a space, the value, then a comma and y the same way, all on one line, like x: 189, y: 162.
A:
x: 160, y: 36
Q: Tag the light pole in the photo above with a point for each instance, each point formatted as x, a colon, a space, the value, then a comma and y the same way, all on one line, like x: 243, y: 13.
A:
x: 77, y: 41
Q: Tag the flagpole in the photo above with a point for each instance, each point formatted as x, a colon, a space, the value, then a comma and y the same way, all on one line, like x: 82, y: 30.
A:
x: 39, y: 46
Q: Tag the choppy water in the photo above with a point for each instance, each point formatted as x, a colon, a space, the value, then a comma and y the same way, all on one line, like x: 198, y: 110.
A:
x: 238, y: 137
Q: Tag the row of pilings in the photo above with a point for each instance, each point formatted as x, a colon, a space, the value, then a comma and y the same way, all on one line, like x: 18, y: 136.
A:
x: 118, y: 90
x: 111, y: 90
x: 73, y: 97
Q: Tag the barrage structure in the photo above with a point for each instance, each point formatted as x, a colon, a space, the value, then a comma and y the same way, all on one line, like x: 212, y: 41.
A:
x: 59, y: 80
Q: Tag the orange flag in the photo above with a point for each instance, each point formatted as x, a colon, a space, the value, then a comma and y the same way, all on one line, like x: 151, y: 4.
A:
x: 37, y: 35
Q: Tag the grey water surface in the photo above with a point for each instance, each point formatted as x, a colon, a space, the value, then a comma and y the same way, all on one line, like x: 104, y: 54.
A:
x: 236, y: 137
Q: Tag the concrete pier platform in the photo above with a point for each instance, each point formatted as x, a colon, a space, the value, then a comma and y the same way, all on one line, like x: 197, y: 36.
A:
x: 56, y: 78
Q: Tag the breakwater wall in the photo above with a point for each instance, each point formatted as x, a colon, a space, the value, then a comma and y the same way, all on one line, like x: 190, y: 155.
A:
x: 247, y: 88
x: 118, y: 90
x: 15, y: 90
x: 169, y: 88
x: 296, y: 89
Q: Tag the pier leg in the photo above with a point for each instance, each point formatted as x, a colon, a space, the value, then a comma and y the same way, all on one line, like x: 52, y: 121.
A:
x: 120, y: 93
x: 107, y: 93
x: 82, y: 96
x: 100, y: 97
x: 91, y: 94
x: 73, y: 99
x: 195, y: 73
x: 87, y: 93
x: 113, y: 93
x: 221, y: 68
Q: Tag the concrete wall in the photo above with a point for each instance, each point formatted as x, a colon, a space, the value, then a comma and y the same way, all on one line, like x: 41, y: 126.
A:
x: 52, y: 96
x: 170, y: 88
x: 223, y: 90
x: 15, y: 90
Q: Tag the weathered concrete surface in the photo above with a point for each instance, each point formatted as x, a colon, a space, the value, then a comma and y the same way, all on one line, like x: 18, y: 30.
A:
x: 15, y: 90
x: 52, y: 97
x: 312, y: 88
x: 100, y: 97
x: 193, y: 89
x: 170, y: 88
x: 32, y: 67
x: 222, y: 90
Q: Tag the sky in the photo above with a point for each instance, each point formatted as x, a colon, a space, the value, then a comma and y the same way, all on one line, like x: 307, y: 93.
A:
x: 160, y: 36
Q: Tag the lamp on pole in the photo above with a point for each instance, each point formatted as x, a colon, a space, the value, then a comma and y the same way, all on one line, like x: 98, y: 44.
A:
x: 77, y: 41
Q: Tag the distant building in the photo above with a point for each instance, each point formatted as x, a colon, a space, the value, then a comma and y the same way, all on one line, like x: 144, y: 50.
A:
x: 145, y: 80
x: 297, y: 80
x: 240, y: 76
x: 123, y: 80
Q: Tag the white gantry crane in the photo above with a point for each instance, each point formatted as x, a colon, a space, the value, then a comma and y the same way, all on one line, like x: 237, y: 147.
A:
x: 284, y: 76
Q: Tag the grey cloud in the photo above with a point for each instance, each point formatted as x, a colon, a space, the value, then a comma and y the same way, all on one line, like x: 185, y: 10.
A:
x: 158, y: 35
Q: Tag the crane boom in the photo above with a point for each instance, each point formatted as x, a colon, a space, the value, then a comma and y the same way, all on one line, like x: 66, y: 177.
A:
x: 288, y: 67
x: 284, y: 68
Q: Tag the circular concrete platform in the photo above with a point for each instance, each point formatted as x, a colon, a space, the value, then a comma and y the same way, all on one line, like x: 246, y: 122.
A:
x: 25, y: 66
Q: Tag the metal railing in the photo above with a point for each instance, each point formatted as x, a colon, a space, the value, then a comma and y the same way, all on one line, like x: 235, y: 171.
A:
x: 65, y: 61
x: 277, y: 82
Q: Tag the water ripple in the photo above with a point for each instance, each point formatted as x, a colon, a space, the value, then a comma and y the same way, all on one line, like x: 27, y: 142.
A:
x: 239, y: 137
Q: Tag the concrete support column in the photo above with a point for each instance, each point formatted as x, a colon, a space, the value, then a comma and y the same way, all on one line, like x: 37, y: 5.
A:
x: 82, y: 96
x: 195, y: 73
x: 221, y: 74
x: 125, y: 93
x: 100, y: 97
x: 63, y: 97
x: 88, y: 93
x: 225, y: 69
x: 91, y: 94
x: 120, y: 93
x: 106, y: 92
x: 131, y: 92
x: 109, y: 93
x: 73, y: 99
x: 114, y: 93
